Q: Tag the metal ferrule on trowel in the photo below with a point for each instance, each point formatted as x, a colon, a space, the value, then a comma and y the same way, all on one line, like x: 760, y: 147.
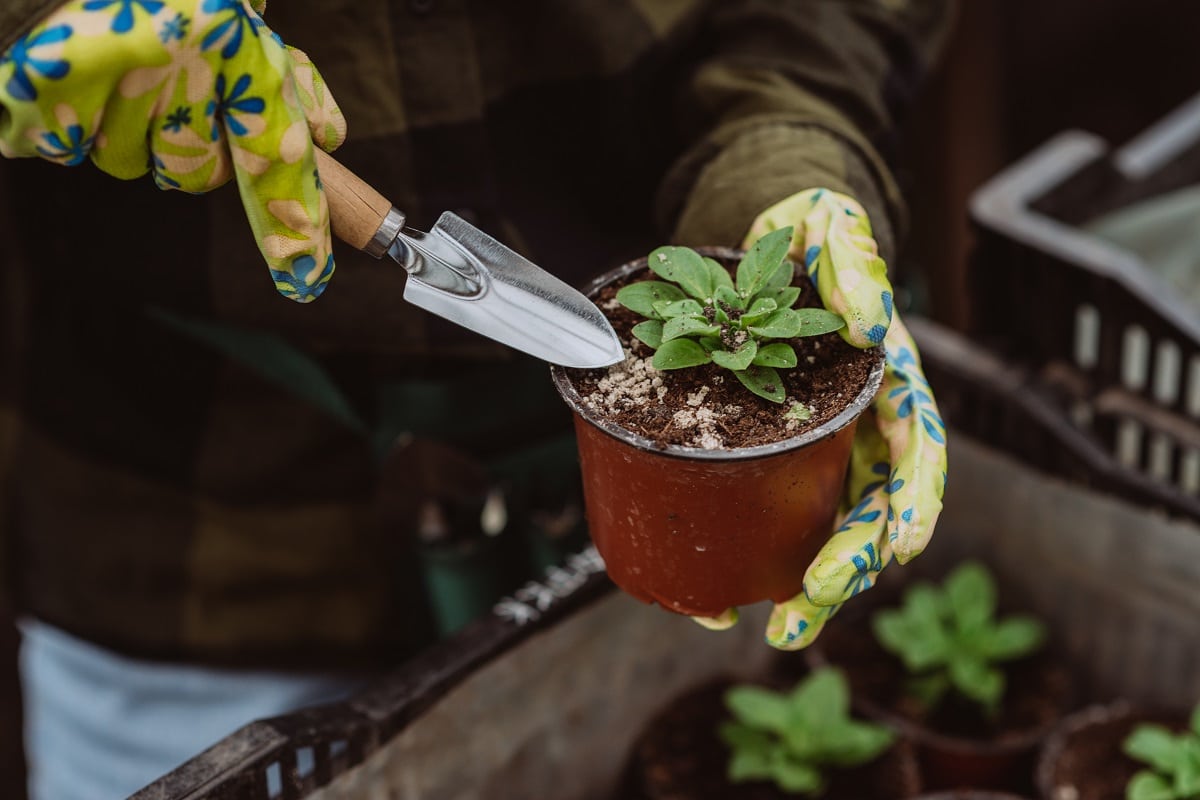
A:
x: 464, y: 275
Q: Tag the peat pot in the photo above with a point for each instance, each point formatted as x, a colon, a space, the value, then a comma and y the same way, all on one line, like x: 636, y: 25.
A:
x: 700, y: 531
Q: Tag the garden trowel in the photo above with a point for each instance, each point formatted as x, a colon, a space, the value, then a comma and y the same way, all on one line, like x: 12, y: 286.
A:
x: 460, y: 273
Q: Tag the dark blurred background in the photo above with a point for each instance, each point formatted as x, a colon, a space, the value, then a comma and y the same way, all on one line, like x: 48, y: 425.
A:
x: 1016, y: 73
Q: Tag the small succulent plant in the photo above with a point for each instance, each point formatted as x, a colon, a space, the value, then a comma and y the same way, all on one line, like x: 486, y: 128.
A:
x: 699, y: 314
x: 1174, y: 761
x: 793, y: 738
x: 950, y: 639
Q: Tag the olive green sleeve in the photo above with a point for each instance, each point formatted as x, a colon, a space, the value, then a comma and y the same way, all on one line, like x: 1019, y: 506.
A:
x: 795, y: 95
x: 18, y: 16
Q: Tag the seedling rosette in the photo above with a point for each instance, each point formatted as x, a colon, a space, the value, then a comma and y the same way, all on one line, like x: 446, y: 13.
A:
x: 699, y: 314
x: 1173, y: 762
x: 950, y: 640
x: 794, y: 738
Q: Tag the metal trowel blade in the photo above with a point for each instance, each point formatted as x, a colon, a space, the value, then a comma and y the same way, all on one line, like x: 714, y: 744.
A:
x: 464, y: 275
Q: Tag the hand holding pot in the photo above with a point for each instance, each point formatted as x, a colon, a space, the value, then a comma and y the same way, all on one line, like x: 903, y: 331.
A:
x: 898, y: 463
x: 193, y: 91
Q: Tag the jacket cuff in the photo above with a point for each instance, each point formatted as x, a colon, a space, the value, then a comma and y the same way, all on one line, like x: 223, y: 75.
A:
x: 715, y: 193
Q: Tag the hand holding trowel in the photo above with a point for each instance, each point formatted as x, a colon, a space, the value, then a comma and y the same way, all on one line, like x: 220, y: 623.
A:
x: 459, y: 272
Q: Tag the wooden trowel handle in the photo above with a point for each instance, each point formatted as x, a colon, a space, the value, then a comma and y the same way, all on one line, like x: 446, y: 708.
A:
x: 356, y: 210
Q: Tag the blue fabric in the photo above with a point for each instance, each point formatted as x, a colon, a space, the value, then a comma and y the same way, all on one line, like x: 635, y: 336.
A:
x: 100, y: 726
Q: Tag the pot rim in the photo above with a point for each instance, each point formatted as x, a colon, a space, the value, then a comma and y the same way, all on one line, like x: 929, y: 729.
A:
x: 571, y: 396
x: 1119, y: 710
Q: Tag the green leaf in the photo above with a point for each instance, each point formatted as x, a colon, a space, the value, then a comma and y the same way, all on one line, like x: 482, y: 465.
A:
x: 1187, y: 777
x: 971, y: 595
x: 688, y: 326
x: 759, y: 310
x: 820, y: 699
x: 719, y: 275
x: 763, y: 381
x: 711, y: 343
x: 640, y: 297
x: 923, y: 601
x: 815, y: 321
x: 761, y: 263
x: 1146, y: 785
x: 783, y: 324
x: 649, y: 332
x: 685, y: 267
x: 727, y: 296
x: 749, y: 765
x: 914, y: 632
x: 974, y: 679
x: 784, y: 298
x: 795, y: 776
x: 850, y: 743
x: 928, y: 690
x: 680, y: 354
x: 741, y: 736
x: 274, y: 359
x: 759, y: 708
x: 738, y: 359
x: 1013, y: 637
x: 776, y: 354
x: 668, y: 309
x: 1156, y: 746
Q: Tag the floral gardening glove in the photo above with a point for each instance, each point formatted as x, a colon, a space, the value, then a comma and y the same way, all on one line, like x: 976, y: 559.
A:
x: 194, y: 92
x: 898, y: 460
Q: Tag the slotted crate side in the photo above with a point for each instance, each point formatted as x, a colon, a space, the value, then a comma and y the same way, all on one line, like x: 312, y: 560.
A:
x: 1107, y: 344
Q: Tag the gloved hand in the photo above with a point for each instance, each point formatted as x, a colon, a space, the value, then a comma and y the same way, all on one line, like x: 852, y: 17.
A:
x: 898, y: 460
x: 194, y: 91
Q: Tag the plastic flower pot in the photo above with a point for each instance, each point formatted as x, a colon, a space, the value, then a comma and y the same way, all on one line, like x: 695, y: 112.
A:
x: 700, y: 531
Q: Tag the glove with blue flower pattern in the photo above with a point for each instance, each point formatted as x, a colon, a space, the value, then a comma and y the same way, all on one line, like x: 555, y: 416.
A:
x: 898, y: 461
x: 194, y: 92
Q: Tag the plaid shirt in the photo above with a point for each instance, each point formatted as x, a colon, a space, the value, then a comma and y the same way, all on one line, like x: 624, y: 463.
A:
x: 163, y: 496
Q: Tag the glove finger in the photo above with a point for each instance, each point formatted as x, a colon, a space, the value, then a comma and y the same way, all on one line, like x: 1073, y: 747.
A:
x: 726, y: 620
x: 916, y: 435
x: 843, y: 262
x: 795, y: 624
x: 326, y: 123
x: 833, y: 240
x: 859, y: 548
x: 273, y: 161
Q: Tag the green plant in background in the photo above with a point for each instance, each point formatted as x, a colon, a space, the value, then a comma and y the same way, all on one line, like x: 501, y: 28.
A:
x: 790, y: 738
x: 1174, y: 760
x: 949, y: 638
x: 698, y: 314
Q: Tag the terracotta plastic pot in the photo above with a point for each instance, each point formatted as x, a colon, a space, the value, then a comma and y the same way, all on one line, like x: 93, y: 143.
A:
x: 700, y: 531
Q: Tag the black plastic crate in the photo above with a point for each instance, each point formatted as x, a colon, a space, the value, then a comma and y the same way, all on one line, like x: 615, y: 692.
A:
x: 1102, y: 355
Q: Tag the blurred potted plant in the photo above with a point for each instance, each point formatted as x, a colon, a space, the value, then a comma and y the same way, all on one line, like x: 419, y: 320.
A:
x: 977, y: 693
x: 749, y: 741
x: 1120, y: 753
x: 713, y: 456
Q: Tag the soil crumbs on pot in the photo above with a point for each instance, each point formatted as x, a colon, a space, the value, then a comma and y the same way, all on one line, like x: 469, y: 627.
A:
x: 679, y: 756
x: 707, y: 406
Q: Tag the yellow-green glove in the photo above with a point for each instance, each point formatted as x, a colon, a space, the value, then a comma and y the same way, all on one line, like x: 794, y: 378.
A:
x: 193, y: 91
x: 898, y: 460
